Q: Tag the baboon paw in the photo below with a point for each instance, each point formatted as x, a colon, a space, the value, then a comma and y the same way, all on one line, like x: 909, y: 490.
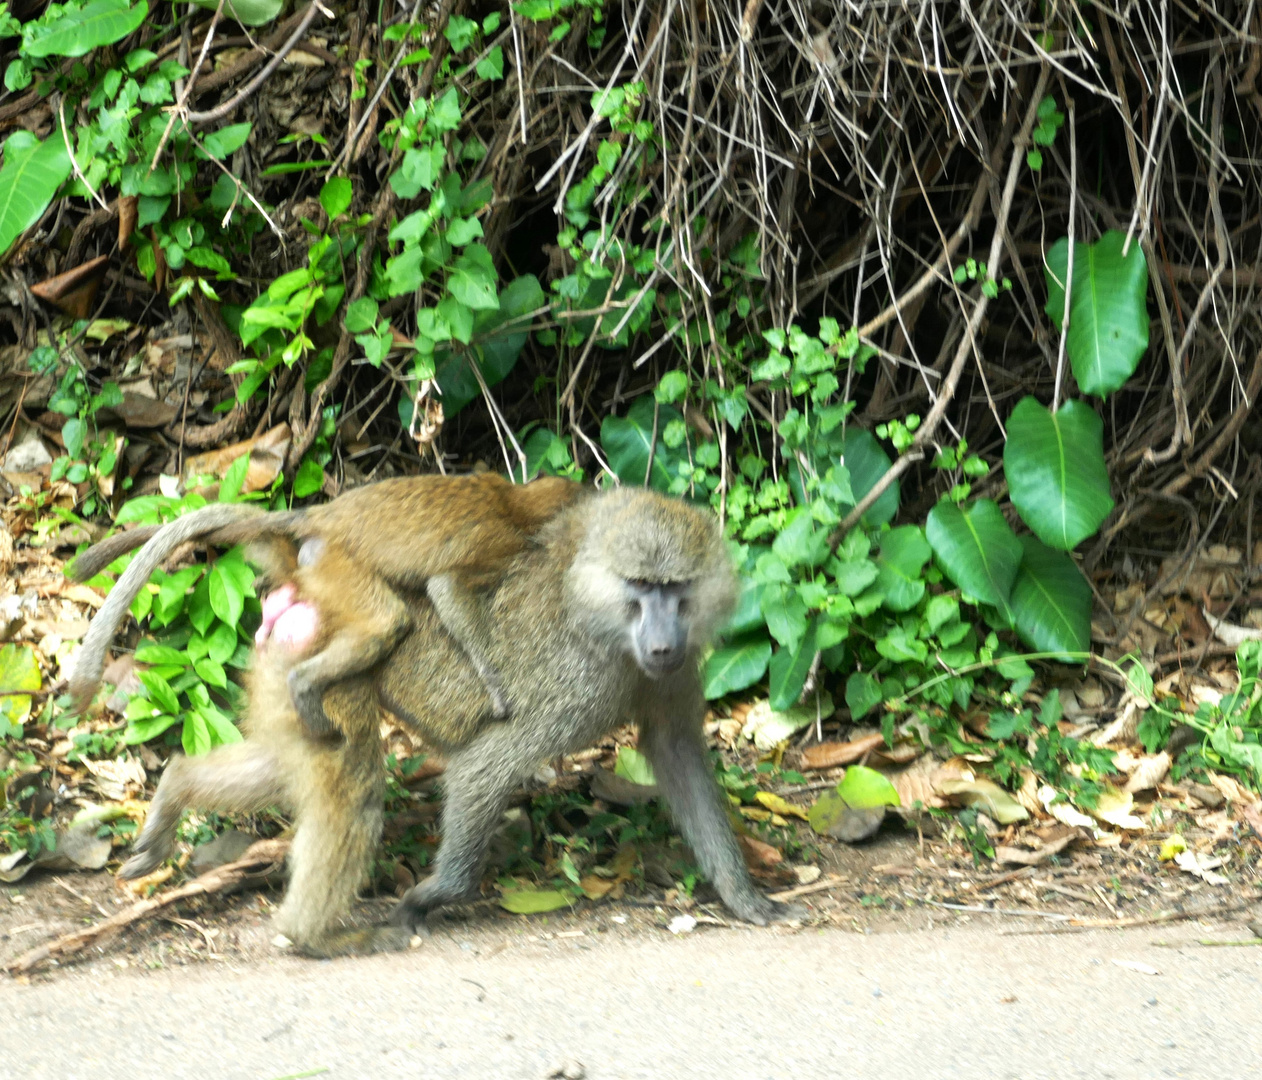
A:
x: 409, y: 918
x: 140, y: 864
x: 783, y: 913
x: 762, y: 911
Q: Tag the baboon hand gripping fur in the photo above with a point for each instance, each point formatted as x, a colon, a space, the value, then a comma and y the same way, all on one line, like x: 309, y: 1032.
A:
x: 603, y: 620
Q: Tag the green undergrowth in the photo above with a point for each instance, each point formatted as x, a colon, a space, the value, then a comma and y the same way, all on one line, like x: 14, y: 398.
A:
x: 916, y: 626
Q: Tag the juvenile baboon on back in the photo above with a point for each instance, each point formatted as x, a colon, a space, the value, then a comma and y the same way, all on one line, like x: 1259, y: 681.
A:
x: 348, y: 558
x: 602, y: 621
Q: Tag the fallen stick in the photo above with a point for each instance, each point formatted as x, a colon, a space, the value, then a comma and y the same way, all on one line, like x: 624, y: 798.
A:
x: 1079, y: 926
x: 829, y: 882
x: 260, y: 860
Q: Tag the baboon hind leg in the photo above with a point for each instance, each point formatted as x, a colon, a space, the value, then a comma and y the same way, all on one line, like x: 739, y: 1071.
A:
x: 338, y: 826
x: 242, y: 777
x: 361, y: 637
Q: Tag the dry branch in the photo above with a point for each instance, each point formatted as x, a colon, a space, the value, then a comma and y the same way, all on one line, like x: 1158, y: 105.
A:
x: 260, y: 861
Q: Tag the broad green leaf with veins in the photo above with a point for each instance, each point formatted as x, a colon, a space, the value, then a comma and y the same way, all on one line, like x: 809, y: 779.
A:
x: 1108, y: 312
x: 976, y: 547
x: 1056, y: 473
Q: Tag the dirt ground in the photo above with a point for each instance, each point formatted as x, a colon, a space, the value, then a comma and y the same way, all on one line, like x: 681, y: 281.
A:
x: 898, y: 881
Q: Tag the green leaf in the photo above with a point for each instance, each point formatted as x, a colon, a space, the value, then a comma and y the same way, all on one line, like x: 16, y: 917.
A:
x: 233, y: 478
x: 904, y: 552
x: 628, y: 440
x: 977, y: 548
x: 863, y: 694
x: 867, y: 462
x: 361, y: 315
x: 1051, y: 602
x: 246, y: 12
x: 160, y: 692
x: 19, y: 670
x: 473, y: 279
x: 800, y: 542
x: 901, y: 644
x: 1056, y: 474
x: 140, y: 731
x: 534, y: 901
x: 737, y: 666
x: 491, y: 66
x: 785, y: 612
x: 219, y: 144
x: 747, y: 616
x: 336, y: 196
x: 196, y: 735
x: 1108, y: 312
x: 309, y: 479
x: 222, y: 730
x: 632, y: 765
x: 152, y: 653
x: 211, y: 672
x: 227, y: 598
x: 790, y: 667
x: 462, y: 231
x: 863, y: 788
x: 32, y: 173
x: 79, y: 31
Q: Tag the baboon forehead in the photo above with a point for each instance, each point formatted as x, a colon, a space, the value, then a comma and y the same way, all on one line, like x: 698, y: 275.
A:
x: 644, y: 535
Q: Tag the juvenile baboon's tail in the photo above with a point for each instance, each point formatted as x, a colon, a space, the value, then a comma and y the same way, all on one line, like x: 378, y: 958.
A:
x: 158, y: 542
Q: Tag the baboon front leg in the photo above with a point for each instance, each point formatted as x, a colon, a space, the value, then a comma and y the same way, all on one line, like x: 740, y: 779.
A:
x: 460, y: 612
x: 477, y: 786
x: 242, y: 777
x: 678, y: 756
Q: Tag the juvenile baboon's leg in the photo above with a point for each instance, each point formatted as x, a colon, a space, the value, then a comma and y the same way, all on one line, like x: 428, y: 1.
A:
x: 367, y: 619
x: 477, y: 784
x: 672, y: 742
x: 242, y: 777
x: 462, y: 617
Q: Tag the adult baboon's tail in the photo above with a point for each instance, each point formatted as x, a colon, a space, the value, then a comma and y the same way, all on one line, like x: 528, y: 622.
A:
x: 210, y: 522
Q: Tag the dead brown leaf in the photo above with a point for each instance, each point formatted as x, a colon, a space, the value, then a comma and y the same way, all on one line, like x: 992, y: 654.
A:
x: 830, y: 755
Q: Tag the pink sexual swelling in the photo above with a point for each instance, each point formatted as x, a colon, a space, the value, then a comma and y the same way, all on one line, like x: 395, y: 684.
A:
x: 274, y: 605
x: 295, y: 628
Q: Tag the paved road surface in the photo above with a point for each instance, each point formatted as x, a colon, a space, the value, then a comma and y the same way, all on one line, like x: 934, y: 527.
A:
x: 945, y: 1004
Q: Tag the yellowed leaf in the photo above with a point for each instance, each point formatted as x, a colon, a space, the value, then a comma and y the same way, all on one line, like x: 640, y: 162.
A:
x: 778, y: 805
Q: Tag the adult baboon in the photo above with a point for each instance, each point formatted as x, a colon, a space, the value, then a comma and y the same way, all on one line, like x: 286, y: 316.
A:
x: 602, y: 621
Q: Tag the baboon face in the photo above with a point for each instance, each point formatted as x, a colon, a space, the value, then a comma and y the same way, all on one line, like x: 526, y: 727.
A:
x: 658, y: 616
x: 652, y: 578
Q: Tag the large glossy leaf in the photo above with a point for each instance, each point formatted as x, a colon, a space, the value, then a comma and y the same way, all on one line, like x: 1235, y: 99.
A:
x: 868, y: 462
x: 736, y: 666
x: 1051, y: 601
x: 1056, y: 472
x: 77, y: 32
x: 1108, y: 311
x: 785, y: 612
x: 627, y: 441
x: 789, y: 669
x: 246, y: 12
x: 497, y: 346
x: 747, y: 615
x: 904, y: 551
x: 30, y: 177
x: 977, y: 548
